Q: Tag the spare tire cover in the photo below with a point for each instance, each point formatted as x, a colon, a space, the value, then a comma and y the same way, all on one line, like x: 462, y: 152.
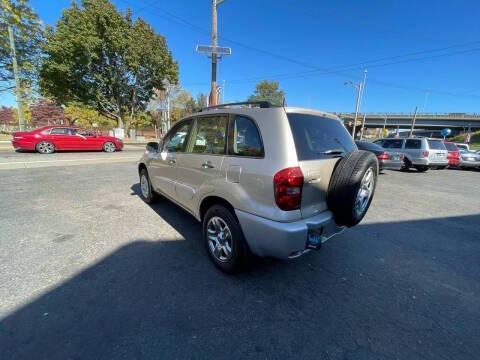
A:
x: 352, y: 187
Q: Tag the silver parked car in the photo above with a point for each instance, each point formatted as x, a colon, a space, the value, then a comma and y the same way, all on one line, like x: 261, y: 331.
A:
x: 469, y: 159
x: 263, y: 180
x: 420, y: 153
x: 386, y: 159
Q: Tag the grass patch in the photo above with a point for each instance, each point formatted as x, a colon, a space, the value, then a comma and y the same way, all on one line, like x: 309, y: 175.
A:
x: 474, y: 141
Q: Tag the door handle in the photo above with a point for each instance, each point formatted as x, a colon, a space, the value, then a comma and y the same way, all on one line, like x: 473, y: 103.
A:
x: 172, y: 161
x: 207, y: 165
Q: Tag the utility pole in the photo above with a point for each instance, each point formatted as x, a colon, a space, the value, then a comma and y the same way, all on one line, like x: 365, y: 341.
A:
x: 363, y: 126
x: 213, y: 91
x: 17, y: 79
x: 357, y: 108
x: 413, y: 121
x: 360, y: 87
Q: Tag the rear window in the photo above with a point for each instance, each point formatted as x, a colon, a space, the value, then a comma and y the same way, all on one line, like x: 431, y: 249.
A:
x: 314, y: 135
x: 450, y: 146
x: 436, y: 145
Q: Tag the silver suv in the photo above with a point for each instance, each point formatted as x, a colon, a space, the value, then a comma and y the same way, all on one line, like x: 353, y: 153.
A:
x: 420, y: 153
x: 263, y: 180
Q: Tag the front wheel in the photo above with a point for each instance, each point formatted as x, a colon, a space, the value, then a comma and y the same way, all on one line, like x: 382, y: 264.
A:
x: 45, y: 147
x: 109, y: 147
x: 224, y: 240
x: 148, y: 195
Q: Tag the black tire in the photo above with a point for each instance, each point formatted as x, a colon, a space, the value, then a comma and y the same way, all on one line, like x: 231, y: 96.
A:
x: 240, y: 254
x: 147, y: 193
x: 406, y: 165
x: 421, y: 168
x: 45, y: 147
x: 344, y: 199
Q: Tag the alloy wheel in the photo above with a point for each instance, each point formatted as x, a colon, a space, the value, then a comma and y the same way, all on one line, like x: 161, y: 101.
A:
x: 365, y: 192
x: 219, y: 239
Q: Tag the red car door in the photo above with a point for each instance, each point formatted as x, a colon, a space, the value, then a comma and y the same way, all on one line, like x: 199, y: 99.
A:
x: 64, y: 139
x: 89, y: 140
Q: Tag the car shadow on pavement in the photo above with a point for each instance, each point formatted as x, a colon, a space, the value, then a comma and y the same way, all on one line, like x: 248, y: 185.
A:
x: 386, y: 290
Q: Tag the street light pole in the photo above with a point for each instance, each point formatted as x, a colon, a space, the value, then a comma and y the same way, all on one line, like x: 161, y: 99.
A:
x: 17, y: 79
x: 413, y: 121
x: 360, y: 87
x: 357, y: 108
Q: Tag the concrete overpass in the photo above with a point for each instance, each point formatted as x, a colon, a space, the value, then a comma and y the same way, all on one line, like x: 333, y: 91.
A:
x: 454, y: 121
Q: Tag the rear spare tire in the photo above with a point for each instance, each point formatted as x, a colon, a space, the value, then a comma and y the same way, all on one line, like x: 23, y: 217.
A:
x: 352, y: 186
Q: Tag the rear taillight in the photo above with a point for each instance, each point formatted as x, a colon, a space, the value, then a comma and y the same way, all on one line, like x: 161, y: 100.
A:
x: 383, y: 156
x: 287, y: 187
x: 425, y: 153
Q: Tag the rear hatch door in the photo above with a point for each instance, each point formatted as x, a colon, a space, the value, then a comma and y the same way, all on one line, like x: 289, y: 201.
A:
x: 320, y: 142
x: 437, y: 152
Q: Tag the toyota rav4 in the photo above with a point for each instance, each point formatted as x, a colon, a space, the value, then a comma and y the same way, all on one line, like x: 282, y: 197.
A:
x: 262, y: 180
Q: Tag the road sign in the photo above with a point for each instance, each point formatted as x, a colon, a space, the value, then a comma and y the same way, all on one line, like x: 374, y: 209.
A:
x: 209, y: 49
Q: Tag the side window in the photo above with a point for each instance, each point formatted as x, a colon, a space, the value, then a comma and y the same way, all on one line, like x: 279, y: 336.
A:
x: 244, y: 138
x: 413, y: 144
x: 208, y: 136
x: 177, y: 138
x: 61, y: 131
x: 393, y: 144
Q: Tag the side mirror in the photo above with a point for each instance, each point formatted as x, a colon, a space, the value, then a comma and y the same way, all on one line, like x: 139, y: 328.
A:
x: 152, y: 146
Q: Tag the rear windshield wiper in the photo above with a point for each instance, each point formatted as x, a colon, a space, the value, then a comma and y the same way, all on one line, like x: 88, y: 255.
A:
x: 332, y: 152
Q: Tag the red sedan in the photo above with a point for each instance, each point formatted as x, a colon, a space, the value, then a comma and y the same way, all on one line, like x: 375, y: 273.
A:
x: 49, y: 139
x: 453, y: 154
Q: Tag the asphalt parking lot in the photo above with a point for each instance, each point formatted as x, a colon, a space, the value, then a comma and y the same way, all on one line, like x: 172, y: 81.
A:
x: 89, y: 271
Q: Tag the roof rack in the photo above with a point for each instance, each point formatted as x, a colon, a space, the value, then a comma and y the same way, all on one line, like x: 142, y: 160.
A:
x: 260, y: 104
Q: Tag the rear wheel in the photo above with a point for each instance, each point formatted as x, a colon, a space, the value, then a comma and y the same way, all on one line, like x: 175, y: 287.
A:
x: 406, y: 165
x: 421, y: 168
x: 109, y: 147
x: 352, y: 187
x: 224, y: 240
x: 45, y: 147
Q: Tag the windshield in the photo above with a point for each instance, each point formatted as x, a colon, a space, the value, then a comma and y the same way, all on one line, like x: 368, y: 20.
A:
x: 450, y: 146
x: 436, y: 145
x: 315, y: 135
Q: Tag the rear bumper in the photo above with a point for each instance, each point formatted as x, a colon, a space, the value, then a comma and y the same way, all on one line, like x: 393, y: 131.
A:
x: 23, y: 145
x: 391, y: 164
x: 430, y: 163
x: 284, y: 240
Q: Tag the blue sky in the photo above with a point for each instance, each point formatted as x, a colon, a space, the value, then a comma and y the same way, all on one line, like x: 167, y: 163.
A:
x: 288, y: 38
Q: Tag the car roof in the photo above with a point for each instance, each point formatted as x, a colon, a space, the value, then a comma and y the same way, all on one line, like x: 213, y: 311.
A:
x: 258, y: 111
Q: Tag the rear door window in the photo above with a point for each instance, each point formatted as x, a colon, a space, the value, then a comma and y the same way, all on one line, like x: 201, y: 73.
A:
x: 209, y: 135
x: 436, y: 145
x: 244, y: 138
x: 413, y: 144
x: 314, y: 135
x: 61, y: 131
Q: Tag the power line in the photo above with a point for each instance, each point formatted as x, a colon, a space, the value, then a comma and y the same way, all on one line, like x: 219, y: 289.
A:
x: 336, y: 71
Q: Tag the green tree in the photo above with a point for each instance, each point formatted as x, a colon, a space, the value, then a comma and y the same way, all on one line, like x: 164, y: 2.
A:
x: 80, y: 115
x: 103, y: 59
x: 268, y: 91
x: 28, y: 35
